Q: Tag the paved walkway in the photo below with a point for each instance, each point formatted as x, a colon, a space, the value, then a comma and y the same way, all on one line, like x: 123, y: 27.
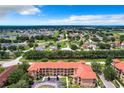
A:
x: 107, y: 84
x: 37, y: 85
x: 67, y: 81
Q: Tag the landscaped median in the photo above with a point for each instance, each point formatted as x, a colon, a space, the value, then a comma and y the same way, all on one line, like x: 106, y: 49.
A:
x: 64, y: 82
x: 99, y: 82
x: 120, y: 82
x: 116, y: 84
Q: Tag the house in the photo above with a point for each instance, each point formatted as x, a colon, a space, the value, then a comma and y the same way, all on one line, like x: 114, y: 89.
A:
x: 5, y: 74
x: 119, y: 67
x: 81, y: 73
x: 40, y: 48
x: 122, y: 45
x: 53, y: 48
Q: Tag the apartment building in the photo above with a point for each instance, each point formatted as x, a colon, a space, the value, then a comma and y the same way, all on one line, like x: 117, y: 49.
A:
x: 81, y: 73
x: 119, y: 67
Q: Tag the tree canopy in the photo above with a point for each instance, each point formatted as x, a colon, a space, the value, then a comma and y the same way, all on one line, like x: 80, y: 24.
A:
x: 109, y: 73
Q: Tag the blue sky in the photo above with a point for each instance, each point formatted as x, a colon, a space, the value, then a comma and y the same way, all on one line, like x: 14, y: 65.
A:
x: 62, y: 15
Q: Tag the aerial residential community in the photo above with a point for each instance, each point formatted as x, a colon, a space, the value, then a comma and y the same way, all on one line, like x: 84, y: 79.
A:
x: 84, y: 50
x: 62, y: 56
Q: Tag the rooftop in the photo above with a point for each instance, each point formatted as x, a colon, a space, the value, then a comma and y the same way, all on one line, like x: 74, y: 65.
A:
x: 119, y: 64
x: 82, y: 70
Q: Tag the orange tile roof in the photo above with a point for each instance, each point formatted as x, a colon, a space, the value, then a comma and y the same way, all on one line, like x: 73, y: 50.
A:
x: 5, y: 74
x: 120, y: 66
x: 84, y: 71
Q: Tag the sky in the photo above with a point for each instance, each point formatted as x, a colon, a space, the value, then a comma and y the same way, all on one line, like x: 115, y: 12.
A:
x: 62, y: 15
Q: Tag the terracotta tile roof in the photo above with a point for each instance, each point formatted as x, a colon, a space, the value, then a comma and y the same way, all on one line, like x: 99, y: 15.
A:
x: 4, y: 75
x: 119, y: 66
x: 84, y: 71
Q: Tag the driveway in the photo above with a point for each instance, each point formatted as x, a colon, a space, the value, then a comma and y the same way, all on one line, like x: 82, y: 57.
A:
x: 52, y: 82
x: 37, y: 85
x: 107, y: 84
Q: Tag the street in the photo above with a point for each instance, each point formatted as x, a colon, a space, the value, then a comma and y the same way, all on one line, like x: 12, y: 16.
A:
x: 13, y: 62
x: 107, y: 84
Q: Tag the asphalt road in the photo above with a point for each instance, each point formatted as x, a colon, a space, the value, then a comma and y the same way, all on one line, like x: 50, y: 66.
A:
x: 13, y: 62
x: 107, y: 84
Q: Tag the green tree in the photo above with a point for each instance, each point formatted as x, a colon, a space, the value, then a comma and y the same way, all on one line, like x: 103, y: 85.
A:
x: 4, y: 55
x: 121, y: 38
x: 109, y: 73
x: 104, y: 46
x: 81, y: 43
x: 22, y: 38
x: 96, y: 67
x: 30, y: 44
x: 25, y: 77
x: 108, y: 61
x: 4, y: 48
x: 95, y: 39
x: 58, y: 45
x: 2, y: 69
x: 113, y: 39
x: 0, y: 47
x: 15, y: 76
x: 23, y: 66
x: 20, y: 84
x: 21, y: 47
x: 35, y: 45
x: 12, y: 48
x: 31, y: 40
x: 74, y: 47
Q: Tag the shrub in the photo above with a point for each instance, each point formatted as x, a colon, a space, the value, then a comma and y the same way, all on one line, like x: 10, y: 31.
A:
x: 116, y: 83
x: 44, y: 59
x: 2, y: 69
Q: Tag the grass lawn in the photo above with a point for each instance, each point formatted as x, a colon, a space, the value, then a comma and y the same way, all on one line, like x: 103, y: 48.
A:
x: 46, y: 86
x: 95, y: 60
x: 100, y: 83
x: 62, y: 44
x: 56, y: 34
x: 63, y: 80
x: 1, y: 69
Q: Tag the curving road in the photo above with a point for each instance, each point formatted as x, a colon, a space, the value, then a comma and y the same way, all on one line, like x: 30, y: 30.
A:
x: 13, y: 62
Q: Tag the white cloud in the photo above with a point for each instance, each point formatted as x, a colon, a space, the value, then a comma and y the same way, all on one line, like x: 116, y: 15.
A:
x: 112, y: 19
x: 20, y: 9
